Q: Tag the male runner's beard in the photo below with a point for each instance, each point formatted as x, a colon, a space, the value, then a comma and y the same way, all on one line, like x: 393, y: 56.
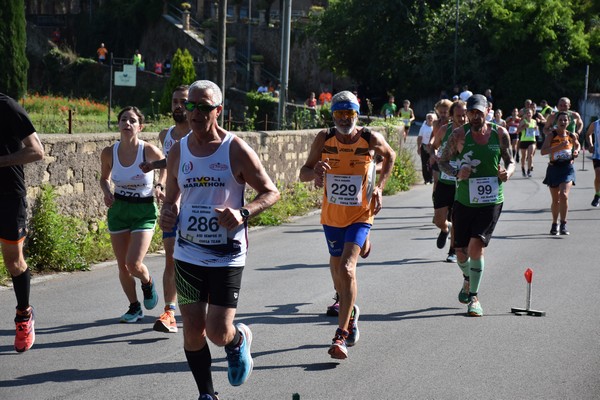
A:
x: 348, y: 129
x: 179, y: 117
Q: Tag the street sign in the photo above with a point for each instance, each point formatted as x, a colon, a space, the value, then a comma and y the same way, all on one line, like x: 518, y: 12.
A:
x: 127, y: 77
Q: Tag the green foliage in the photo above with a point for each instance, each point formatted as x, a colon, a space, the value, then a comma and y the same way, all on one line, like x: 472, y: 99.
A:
x: 95, y: 242
x: 404, y: 174
x: 182, y: 73
x: 4, y: 275
x: 306, y: 118
x: 62, y: 243
x: 393, y: 129
x: 13, y: 40
x: 260, y: 106
x: 53, y: 244
x: 296, y: 199
x: 519, y: 48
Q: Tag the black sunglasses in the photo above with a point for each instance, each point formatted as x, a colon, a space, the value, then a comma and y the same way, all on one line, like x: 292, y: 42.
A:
x: 190, y: 106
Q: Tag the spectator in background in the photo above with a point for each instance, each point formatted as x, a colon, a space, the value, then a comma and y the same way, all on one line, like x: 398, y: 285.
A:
x: 158, y: 68
x: 311, y: 102
x: 167, y: 66
x: 102, y: 52
x: 423, y: 147
x: 325, y: 97
x: 55, y: 37
x: 263, y: 88
x: 137, y: 59
x: 466, y: 93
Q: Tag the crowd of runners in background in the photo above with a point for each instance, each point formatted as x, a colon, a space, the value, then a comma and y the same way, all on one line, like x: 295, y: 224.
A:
x: 467, y: 150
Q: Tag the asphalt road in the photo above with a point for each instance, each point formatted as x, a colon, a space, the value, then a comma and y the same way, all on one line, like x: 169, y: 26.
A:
x: 416, y: 342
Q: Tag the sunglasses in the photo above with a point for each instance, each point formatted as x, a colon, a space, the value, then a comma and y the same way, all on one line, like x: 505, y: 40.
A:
x: 344, y: 114
x: 206, y: 108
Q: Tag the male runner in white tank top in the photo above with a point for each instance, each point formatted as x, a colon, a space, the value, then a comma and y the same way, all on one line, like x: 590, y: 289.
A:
x: 208, y: 170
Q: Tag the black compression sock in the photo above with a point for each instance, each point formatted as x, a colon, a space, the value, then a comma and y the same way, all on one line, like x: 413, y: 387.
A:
x: 21, y: 285
x: 199, y: 363
x: 235, y: 342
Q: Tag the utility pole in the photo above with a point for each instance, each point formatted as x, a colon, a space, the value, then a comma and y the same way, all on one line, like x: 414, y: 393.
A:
x: 286, y: 25
x: 455, y: 45
x: 249, y: 52
x: 221, y: 52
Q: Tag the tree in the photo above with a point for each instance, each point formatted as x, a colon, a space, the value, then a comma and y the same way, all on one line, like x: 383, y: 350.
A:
x: 13, y: 41
x: 182, y: 73
x: 519, y: 48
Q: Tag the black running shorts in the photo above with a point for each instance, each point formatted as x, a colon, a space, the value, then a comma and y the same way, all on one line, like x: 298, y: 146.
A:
x: 474, y: 222
x: 219, y: 286
x: 13, y: 214
x: 443, y: 196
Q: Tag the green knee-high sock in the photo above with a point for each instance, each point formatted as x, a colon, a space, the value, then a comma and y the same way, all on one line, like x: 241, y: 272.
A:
x: 464, y: 267
x: 475, y: 273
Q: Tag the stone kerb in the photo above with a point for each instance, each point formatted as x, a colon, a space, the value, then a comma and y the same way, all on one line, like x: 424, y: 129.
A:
x: 72, y: 165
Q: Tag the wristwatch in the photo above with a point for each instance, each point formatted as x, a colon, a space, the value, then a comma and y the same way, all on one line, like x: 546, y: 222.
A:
x: 244, y: 213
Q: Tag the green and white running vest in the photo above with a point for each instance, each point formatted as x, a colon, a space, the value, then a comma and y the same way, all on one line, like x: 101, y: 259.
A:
x: 483, y: 187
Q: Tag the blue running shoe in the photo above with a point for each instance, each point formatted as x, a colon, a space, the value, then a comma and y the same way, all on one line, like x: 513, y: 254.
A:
x: 150, y: 295
x: 134, y: 314
x: 353, y: 332
x: 239, y: 358
x: 207, y: 396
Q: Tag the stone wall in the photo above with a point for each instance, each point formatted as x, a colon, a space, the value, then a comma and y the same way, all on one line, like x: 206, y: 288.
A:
x: 72, y: 165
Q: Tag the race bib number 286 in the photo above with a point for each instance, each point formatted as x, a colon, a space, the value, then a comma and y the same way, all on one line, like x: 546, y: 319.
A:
x: 199, y: 224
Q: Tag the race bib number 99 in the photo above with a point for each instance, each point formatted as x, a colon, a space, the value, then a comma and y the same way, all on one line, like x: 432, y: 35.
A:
x: 344, y: 190
x: 483, y: 190
x: 199, y: 224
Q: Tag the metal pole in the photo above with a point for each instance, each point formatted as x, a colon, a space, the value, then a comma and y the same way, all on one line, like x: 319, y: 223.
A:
x: 455, y: 44
x: 584, y: 112
x: 221, y: 51
x: 528, y: 301
x: 286, y: 25
x: 249, y: 53
x: 110, y: 89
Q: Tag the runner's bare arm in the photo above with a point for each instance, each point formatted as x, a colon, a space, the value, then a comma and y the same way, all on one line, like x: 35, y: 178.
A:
x: 314, y: 168
x: 504, y: 173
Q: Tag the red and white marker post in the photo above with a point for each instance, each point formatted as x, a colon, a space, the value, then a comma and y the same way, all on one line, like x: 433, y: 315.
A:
x: 527, y: 310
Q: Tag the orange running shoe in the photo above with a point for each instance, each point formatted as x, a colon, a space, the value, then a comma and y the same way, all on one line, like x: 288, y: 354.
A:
x: 25, y: 335
x: 338, y: 347
x: 166, y: 322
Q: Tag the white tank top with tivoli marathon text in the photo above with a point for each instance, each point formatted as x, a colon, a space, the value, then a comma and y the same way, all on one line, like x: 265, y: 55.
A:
x: 207, y: 183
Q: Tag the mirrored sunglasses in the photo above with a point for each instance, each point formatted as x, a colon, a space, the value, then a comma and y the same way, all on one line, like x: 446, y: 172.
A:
x: 344, y: 114
x: 206, y: 108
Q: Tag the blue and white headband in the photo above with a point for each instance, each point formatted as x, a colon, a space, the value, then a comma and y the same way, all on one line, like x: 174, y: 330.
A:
x: 345, y: 105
